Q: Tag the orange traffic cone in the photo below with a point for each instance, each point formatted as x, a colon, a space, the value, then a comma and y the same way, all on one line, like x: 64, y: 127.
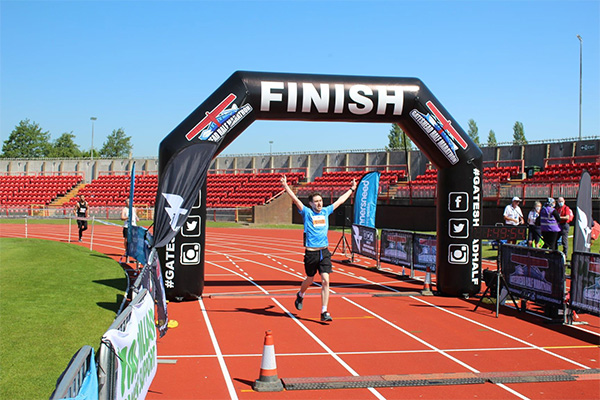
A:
x: 268, y: 380
x: 427, y: 285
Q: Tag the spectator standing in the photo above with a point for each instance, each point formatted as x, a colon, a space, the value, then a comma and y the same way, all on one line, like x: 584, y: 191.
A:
x: 549, y: 218
x: 513, y: 214
x: 535, y: 231
x: 566, y: 216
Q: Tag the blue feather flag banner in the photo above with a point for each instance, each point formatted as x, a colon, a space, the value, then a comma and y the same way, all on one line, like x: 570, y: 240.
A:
x: 365, y: 201
x: 131, y: 190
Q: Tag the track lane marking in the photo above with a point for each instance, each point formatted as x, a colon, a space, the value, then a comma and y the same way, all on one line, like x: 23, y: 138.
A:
x: 309, y: 332
x: 503, y: 333
x: 325, y: 347
x: 427, y: 344
x: 350, y: 274
x: 374, y: 352
x: 219, y: 354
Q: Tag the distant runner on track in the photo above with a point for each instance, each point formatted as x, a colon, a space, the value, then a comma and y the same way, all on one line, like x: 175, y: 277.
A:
x: 81, y: 211
x: 316, y: 256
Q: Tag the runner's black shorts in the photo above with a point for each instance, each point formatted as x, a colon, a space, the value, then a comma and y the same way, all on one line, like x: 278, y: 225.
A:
x: 82, y: 224
x: 318, y: 260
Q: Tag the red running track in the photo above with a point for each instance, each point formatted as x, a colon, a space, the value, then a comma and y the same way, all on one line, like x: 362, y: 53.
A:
x: 380, y: 327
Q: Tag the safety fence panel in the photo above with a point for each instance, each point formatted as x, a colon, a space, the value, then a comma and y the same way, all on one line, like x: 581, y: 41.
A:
x: 364, y: 241
x: 585, y: 282
x: 127, y: 358
x: 566, y: 190
x: 491, y: 189
x: 424, y: 252
x: 537, y: 191
x: 534, y: 274
x: 79, y: 379
x: 396, y: 247
x: 511, y: 191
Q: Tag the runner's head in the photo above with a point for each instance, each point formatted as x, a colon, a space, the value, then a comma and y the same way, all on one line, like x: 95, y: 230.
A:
x: 316, y: 201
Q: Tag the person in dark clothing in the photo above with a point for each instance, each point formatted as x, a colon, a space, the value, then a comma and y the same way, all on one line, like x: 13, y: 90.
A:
x: 81, y: 211
x: 549, y: 218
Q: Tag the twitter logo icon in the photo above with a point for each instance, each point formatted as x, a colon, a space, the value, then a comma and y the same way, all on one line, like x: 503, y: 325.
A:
x: 458, y: 228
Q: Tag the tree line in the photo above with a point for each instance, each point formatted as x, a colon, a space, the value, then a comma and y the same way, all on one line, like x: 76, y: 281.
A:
x: 28, y: 140
x: 398, y: 139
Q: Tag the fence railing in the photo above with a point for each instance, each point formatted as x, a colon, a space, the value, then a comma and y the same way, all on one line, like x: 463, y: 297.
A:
x: 107, y: 359
x: 69, y: 384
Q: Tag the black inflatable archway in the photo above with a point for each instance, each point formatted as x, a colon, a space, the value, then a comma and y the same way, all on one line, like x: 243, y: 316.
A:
x: 186, y: 153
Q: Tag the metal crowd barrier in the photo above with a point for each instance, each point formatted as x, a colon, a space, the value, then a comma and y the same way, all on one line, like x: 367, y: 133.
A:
x: 107, y: 371
x: 70, y: 382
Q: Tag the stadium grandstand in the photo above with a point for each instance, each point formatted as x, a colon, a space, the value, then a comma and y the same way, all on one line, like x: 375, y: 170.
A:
x: 246, y: 183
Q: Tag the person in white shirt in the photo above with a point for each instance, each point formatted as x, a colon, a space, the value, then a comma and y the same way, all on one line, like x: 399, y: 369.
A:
x: 535, y: 231
x: 513, y: 214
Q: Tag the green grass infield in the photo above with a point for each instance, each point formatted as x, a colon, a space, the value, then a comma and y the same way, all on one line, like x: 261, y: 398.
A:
x: 54, y: 298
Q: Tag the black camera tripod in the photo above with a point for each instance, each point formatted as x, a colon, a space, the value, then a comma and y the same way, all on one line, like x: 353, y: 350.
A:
x: 500, y: 282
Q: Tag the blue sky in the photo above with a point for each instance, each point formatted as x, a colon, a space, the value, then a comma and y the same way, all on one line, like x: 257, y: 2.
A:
x: 145, y: 65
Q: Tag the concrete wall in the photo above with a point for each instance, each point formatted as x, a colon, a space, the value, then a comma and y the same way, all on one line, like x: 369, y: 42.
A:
x: 278, y: 211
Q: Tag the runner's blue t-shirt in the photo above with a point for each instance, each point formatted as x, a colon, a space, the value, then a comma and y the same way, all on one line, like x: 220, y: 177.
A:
x: 316, y: 226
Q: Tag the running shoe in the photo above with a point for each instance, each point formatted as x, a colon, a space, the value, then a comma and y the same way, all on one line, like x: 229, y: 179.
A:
x: 298, y: 302
x: 326, y: 317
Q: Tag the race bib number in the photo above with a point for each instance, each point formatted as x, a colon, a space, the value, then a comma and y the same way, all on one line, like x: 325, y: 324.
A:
x: 318, y: 220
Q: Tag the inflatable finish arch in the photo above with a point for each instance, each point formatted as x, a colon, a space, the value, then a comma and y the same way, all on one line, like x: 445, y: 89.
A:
x: 186, y: 153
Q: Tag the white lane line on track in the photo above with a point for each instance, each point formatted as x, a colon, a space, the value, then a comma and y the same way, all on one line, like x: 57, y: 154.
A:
x: 312, y: 335
x: 502, y: 333
x: 294, y: 274
x: 465, y: 318
x: 215, y: 343
x: 423, y: 342
x: 402, y: 330
x: 262, y: 253
x: 351, y: 353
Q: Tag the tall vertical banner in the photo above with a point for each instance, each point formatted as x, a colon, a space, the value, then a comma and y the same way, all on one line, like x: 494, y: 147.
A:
x: 139, y: 240
x: 582, y: 234
x: 131, y: 190
x: 365, y: 202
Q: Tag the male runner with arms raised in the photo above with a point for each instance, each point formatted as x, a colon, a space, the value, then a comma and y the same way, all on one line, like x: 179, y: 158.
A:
x: 316, y: 256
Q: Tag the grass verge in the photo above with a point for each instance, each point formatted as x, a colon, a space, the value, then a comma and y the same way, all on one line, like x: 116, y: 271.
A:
x: 54, y: 298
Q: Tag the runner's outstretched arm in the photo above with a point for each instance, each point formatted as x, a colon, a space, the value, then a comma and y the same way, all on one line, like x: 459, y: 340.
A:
x: 345, y: 196
x: 291, y: 193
